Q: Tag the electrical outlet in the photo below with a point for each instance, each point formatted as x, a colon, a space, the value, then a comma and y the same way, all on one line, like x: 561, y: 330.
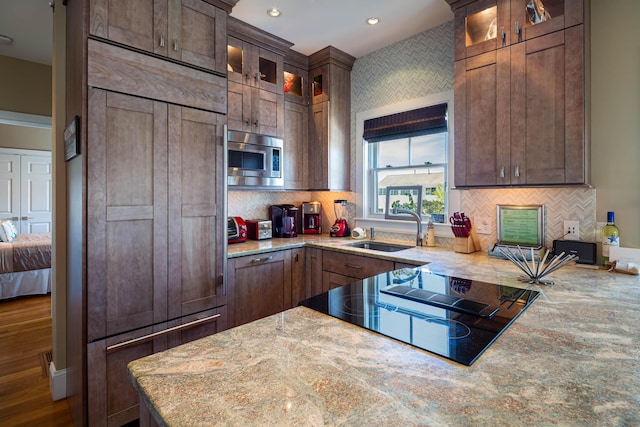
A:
x: 571, y: 230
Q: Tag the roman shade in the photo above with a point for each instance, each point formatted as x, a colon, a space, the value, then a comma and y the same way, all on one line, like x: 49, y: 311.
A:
x: 421, y: 121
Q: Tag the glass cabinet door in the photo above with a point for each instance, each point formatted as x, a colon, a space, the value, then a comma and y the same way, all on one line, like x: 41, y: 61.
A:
x: 535, y: 18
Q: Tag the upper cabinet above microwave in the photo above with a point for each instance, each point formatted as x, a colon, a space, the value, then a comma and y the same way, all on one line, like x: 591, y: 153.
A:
x: 189, y: 31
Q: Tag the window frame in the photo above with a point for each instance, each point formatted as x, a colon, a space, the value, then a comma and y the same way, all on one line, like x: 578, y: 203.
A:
x: 364, y: 217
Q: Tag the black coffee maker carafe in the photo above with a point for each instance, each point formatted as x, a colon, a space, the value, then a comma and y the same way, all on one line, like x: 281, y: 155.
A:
x: 283, y: 220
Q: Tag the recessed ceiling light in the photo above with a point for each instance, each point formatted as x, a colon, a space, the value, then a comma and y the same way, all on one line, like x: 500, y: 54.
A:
x: 5, y: 39
x: 273, y: 12
x: 373, y: 21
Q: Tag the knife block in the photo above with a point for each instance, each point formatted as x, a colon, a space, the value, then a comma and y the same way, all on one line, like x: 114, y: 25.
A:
x: 467, y: 245
x: 463, y: 245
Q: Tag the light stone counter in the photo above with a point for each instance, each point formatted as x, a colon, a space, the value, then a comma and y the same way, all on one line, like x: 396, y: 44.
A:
x: 571, y: 359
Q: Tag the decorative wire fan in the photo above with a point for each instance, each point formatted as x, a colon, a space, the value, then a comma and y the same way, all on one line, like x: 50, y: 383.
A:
x: 536, y: 270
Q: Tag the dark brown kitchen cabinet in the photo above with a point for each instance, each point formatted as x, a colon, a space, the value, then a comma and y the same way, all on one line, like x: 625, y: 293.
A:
x: 314, y: 271
x: 296, y: 78
x: 154, y: 236
x: 190, y: 31
x: 330, y: 121
x: 112, y: 397
x: 254, y: 66
x: 520, y: 109
x: 140, y: 199
x: 259, y: 286
x: 255, y: 110
x: 299, y: 289
x: 485, y: 25
x: 482, y: 119
x: 296, y: 159
x: 547, y: 109
x: 339, y: 268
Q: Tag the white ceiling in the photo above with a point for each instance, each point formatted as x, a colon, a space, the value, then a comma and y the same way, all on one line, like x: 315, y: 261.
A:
x: 314, y: 24
x: 30, y: 24
x: 310, y: 24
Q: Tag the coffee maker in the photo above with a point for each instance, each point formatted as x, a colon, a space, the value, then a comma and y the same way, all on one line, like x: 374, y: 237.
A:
x: 283, y: 220
x: 311, y: 218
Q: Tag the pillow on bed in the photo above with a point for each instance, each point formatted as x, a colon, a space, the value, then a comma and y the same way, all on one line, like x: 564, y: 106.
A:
x: 8, y: 231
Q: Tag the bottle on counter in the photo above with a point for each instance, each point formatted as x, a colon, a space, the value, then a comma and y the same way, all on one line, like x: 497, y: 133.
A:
x: 610, y: 237
x: 431, y: 235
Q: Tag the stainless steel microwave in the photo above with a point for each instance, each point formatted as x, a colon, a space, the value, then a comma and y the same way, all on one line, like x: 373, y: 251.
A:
x: 254, y: 160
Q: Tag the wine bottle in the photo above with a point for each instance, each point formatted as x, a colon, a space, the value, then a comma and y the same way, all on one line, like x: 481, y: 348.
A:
x: 610, y: 237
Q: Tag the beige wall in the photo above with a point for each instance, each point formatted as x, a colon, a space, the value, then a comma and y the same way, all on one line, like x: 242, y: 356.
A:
x: 25, y: 87
x: 28, y: 138
x: 615, y: 113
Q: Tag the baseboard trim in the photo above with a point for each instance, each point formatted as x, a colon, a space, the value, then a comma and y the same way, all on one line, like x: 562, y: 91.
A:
x: 57, y: 382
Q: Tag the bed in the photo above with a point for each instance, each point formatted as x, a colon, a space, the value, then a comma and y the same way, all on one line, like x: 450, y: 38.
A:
x: 25, y: 265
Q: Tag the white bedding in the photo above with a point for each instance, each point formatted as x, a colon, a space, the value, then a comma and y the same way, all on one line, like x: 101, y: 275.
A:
x: 32, y: 282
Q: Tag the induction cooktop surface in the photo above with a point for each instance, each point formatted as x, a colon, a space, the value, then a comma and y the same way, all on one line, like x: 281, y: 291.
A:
x: 453, y: 317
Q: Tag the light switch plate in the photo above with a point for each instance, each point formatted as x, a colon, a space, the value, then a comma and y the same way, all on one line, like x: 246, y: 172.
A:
x: 482, y: 225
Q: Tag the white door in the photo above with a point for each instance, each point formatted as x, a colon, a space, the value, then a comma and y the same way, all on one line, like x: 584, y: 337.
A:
x: 10, y: 187
x: 36, y: 199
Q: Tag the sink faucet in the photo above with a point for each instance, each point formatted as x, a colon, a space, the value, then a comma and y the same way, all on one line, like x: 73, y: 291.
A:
x: 419, y: 235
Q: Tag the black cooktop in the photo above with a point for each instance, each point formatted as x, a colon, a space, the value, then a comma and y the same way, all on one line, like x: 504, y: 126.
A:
x: 450, y: 316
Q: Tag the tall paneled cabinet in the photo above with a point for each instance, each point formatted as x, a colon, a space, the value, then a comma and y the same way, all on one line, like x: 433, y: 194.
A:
x: 520, y: 92
x: 146, y: 193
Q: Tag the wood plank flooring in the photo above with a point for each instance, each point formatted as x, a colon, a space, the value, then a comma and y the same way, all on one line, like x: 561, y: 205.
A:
x: 25, y: 332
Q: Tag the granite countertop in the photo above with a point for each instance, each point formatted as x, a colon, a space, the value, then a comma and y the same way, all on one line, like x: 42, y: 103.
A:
x: 572, y: 358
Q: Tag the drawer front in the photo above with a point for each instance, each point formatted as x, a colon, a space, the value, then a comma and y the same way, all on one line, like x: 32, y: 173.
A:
x: 354, y: 265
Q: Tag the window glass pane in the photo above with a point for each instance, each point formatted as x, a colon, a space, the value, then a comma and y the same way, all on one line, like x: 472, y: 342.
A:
x: 428, y: 148
x: 393, y: 153
x: 430, y: 179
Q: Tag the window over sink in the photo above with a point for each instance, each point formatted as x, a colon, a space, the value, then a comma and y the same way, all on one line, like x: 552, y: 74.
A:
x: 405, y: 145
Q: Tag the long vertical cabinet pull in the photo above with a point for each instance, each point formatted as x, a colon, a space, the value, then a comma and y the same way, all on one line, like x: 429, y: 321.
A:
x: 161, y: 40
x: 225, y: 165
x: 517, y: 171
x: 502, y: 172
x: 175, y: 45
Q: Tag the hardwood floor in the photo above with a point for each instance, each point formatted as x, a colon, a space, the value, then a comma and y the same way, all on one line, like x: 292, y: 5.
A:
x: 25, y: 333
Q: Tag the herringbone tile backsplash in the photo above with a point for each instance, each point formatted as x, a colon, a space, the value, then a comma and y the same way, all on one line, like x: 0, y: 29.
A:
x: 561, y: 204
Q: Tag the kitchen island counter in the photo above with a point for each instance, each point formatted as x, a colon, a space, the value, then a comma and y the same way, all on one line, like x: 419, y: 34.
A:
x: 572, y: 358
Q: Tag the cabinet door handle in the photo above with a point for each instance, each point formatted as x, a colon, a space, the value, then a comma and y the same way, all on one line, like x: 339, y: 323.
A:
x: 13, y: 218
x: 517, y: 171
x: 162, y: 332
x: 503, y: 36
x: 257, y: 77
x: 175, y: 45
x: 161, y: 40
x: 25, y: 218
x: 502, y: 172
x: 262, y: 259
x: 357, y: 267
x: 255, y: 123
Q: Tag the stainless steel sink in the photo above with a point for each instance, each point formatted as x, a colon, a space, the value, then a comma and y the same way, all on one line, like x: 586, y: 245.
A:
x: 379, y: 246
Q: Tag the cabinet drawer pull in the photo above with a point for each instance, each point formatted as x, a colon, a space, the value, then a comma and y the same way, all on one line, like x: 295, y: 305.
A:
x: 162, y: 332
x: 262, y: 259
x: 13, y: 218
x: 357, y: 267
